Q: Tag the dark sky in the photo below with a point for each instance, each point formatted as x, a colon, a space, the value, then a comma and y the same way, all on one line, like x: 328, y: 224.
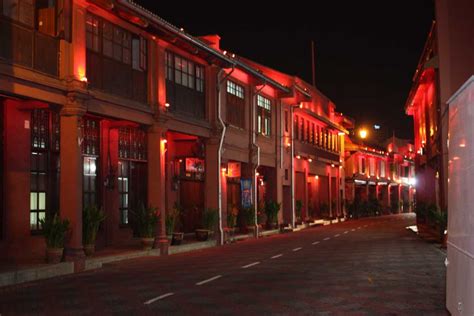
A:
x: 367, y: 51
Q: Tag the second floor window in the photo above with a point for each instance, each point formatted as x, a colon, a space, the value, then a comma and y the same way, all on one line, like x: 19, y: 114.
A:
x: 264, y: 115
x: 235, y: 101
x: 184, y: 72
x: 116, y: 59
x: 362, y: 165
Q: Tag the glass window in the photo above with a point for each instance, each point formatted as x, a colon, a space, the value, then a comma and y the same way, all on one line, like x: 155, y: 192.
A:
x: 264, y: 115
x: 44, y: 165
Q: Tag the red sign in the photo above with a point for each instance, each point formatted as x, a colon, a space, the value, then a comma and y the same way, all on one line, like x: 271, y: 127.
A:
x: 233, y: 169
x: 194, y: 165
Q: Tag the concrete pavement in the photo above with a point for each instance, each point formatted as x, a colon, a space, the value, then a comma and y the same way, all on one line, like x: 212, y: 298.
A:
x: 364, y: 267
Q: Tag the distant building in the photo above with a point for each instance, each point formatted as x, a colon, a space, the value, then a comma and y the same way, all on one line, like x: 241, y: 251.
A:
x: 382, y: 174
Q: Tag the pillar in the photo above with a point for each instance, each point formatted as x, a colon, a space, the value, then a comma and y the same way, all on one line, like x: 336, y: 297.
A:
x: 156, y: 181
x: 70, y: 202
x: 305, y: 212
x: 329, y: 192
x: 213, y: 172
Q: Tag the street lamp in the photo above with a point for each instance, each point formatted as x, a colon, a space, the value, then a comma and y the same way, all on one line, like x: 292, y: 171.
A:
x: 363, y: 133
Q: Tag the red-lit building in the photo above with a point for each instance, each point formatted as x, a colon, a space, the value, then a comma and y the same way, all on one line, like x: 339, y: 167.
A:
x: 104, y: 103
x: 424, y: 105
x: 382, y: 173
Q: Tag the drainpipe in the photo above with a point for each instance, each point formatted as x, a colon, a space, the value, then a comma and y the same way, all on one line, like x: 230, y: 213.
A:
x: 254, y: 144
x: 219, y: 152
x: 292, y: 160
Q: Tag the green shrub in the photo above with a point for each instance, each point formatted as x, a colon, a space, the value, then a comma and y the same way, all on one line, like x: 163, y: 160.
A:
x: 146, y: 219
x: 324, y: 209
x: 210, y: 217
x: 271, y: 210
x: 248, y: 215
x: 92, y: 216
x: 54, y: 230
x: 298, y: 208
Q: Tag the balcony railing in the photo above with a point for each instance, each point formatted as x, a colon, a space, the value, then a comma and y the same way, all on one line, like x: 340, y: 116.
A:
x: 28, y: 47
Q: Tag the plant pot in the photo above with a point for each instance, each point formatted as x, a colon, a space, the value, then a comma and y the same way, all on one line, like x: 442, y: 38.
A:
x: 177, y: 238
x: 147, y: 243
x: 54, y: 255
x: 89, y: 249
x: 271, y: 226
x: 202, y: 234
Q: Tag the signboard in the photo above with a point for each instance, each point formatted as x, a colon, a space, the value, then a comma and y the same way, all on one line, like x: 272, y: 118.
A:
x: 194, y: 165
x: 233, y: 169
x: 246, y: 192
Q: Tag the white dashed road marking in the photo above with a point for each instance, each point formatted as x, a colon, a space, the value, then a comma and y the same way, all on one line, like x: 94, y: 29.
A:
x: 158, y: 298
x: 297, y: 249
x: 327, y: 238
x: 346, y: 232
x: 315, y: 243
x: 277, y: 256
x: 209, y: 280
x: 251, y: 265
x: 337, y: 235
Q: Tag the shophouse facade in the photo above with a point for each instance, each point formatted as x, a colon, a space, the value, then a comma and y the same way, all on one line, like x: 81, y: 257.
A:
x: 104, y: 103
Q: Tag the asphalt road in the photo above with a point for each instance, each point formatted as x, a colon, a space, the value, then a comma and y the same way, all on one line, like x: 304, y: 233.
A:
x: 362, y: 267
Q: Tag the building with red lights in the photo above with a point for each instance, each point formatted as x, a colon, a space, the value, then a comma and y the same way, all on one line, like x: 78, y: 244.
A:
x: 378, y: 178
x: 104, y: 103
x: 424, y: 105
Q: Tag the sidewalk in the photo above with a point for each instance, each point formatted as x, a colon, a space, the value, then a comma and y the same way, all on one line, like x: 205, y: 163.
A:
x: 17, y: 274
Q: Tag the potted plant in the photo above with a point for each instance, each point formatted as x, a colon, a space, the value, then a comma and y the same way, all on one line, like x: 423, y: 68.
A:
x: 209, y: 222
x: 271, y: 210
x: 54, y: 231
x: 231, y: 217
x: 298, y: 211
x: 92, y: 216
x: 146, y: 219
x: 248, y: 215
x: 171, y: 222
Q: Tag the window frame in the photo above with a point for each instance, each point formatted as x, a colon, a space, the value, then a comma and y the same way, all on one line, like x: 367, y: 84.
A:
x: 44, y: 177
x: 264, y: 116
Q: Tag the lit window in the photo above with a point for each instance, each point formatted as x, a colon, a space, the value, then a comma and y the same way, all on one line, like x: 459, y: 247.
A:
x: 264, y: 115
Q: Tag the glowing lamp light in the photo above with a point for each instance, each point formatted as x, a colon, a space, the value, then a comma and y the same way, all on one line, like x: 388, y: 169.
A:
x: 298, y: 157
x: 288, y: 145
x: 316, y: 177
x: 164, y: 141
x: 340, y: 134
x: 224, y: 170
x: 462, y: 145
x: 84, y: 79
x: 310, y: 160
x: 233, y: 55
x: 224, y: 52
x: 257, y: 174
x: 332, y: 165
x: 363, y: 133
x: 167, y: 105
x: 301, y: 105
x: 181, y: 29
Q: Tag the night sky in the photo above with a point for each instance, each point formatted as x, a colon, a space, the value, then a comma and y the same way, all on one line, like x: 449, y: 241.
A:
x: 366, y: 51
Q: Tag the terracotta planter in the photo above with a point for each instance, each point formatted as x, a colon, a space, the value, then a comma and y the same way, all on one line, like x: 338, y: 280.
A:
x: 202, y: 234
x: 147, y: 243
x: 54, y: 255
x: 89, y: 249
x: 177, y: 238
